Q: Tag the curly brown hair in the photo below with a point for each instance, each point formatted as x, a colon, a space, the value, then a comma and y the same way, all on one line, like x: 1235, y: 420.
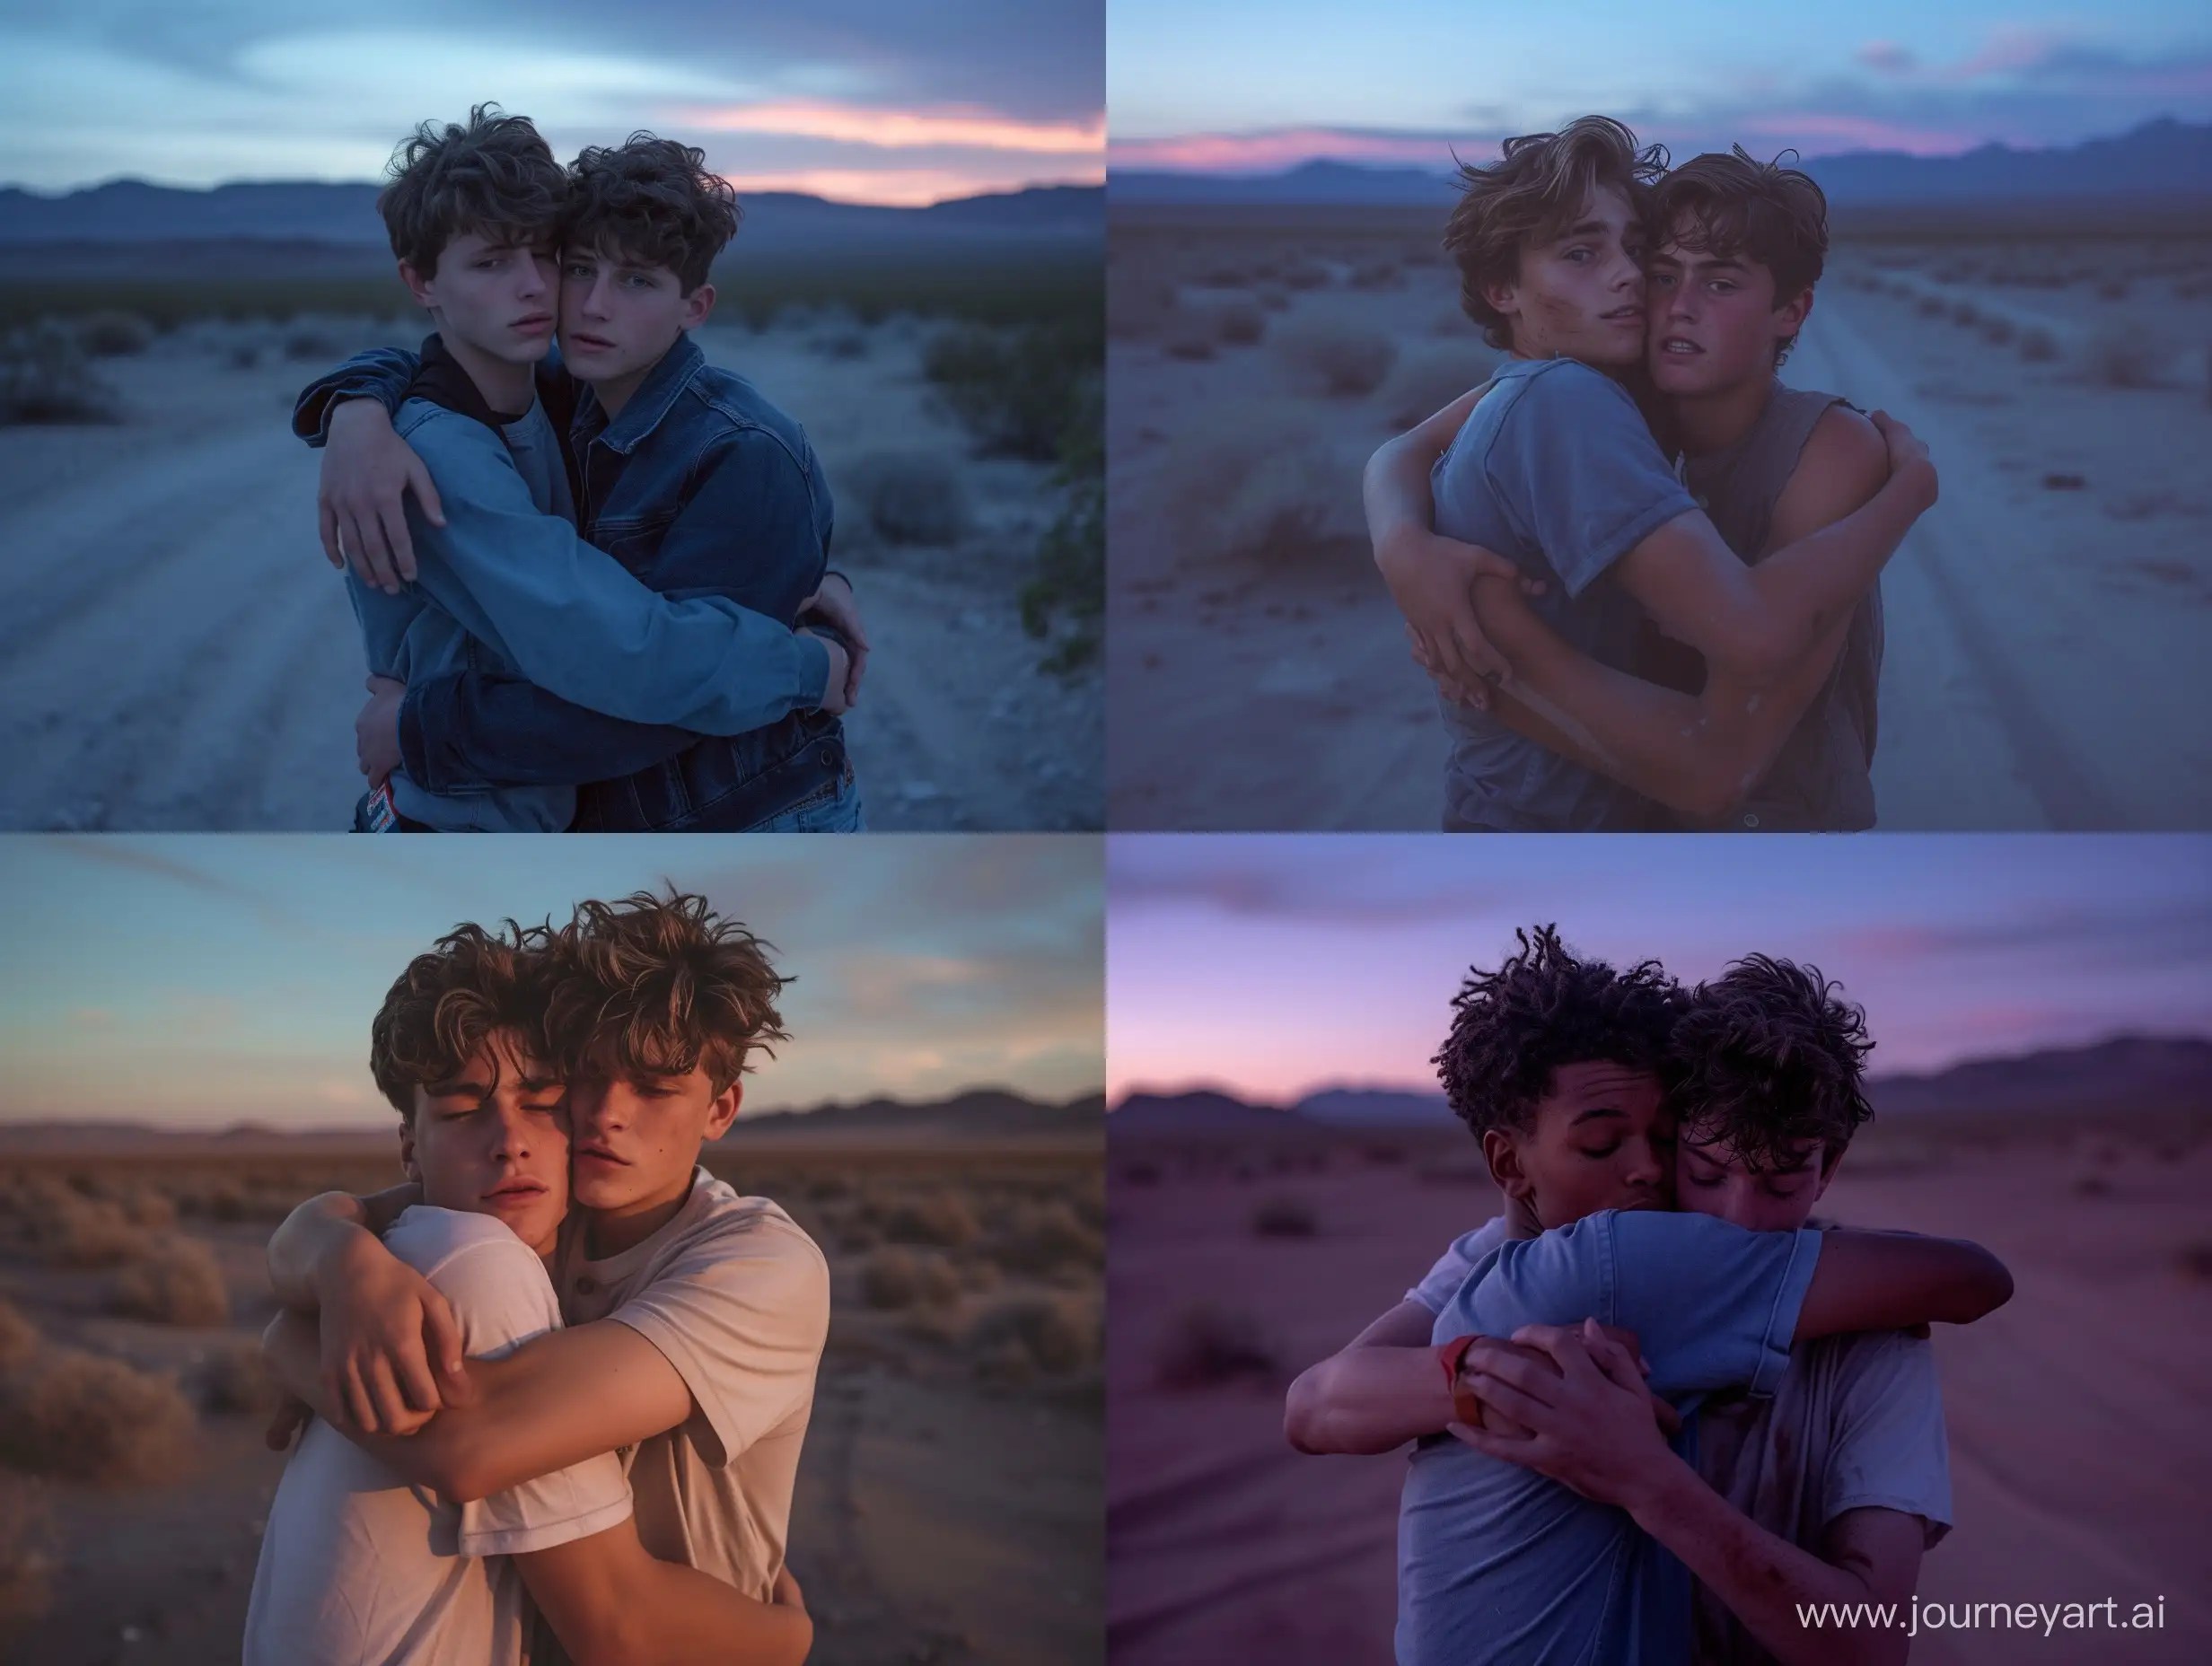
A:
x: 496, y: 176
x: 1530, y: 194
x: 450, y: 1002
x: 1732, y: 208
x: 1542, y: 1008
x: 651, y: 202
x: 1769, y: 1058
x: 659, y: 986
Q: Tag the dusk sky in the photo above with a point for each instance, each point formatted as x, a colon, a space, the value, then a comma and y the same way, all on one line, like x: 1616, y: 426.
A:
x: 1274, y: 966
x: 197, y: 981
x: 1261, y: 84
x: 863, y: 101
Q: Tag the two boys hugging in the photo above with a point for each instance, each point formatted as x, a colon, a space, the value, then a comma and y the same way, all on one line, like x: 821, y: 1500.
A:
x: 560, y: 1380
x: 607, y: 606
x: 1651, y: 1366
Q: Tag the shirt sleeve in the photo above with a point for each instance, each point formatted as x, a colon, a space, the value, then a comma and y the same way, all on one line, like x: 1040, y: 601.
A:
x: 1890, y: 1450
x: 1576, y: 471
x: 502, y: 1298
x: 1458, y: 1260
x: 576, y: 622
x: 742, y: 1315
x: 1713, y: 1305
x: 379, y: 373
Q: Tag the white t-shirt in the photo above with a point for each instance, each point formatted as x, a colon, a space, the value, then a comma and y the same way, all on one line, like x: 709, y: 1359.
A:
x: 737, y: 1297
x: 1459, y: 1260
x: 360, y: 1568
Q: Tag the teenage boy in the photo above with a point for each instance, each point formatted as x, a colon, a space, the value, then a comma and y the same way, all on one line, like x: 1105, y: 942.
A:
x: 696, y: 1316
x: 1556, y: 469
x: 1709, y: 1305
x: 1740, y: 248
x: 506, y: 587
x: 692, y: 481
x: 360, y: 1568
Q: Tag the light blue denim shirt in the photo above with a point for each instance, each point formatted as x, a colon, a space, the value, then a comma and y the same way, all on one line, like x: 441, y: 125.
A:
x: 1499, y: 1566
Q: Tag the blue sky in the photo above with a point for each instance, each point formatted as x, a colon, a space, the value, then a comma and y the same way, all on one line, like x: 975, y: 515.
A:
x: 1250, y: 84
x: 1274, y: 966
x: 860, y: 99
x: 197, y: 981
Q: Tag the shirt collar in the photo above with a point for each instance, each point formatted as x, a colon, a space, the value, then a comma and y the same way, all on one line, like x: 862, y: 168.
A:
x: 654, y: 398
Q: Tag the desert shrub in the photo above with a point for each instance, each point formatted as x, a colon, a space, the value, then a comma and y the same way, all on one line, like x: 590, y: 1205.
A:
x: 1191, y: 337
x: 1138, y: 310
x: 1024, y: 1335
x: 1374, y: 275
x: 1262, y: 482
x: 2113, y: 289
x: 25, y: 1568
x: 313, y: 346
x: 1285, y: 1218
x: 2091, y: 1185
x: 2038, y: 345
x: 943, y: 1219
x: 1048, y: 1236
x: 1932, y: 306
x: 842, y: 344
x: 178, y: 1281
x: 114, y: 334
x: 1997, y: 331
x: 2123, y: 355
x: 1239, y: 323
x: 45, y: 376
x: 1965, y: 313
x: 19, y: 1337
x: 72, y: 1414
x: 892, y: 1279
x: 1223, y: 277
x: 1015, y: 390
x: 1144, y: 1172
x: 235, y: 1377
x: 141, y: 1205
x: 73, y: 1231
x: 910, y: 498
x: 1303, y: 275
x: 1208, y: 1344
x: 1274, y: 299
x: 1432, y: 379
x: 1382, y: 1151
x: 1344, y: 359
x: 1068, y: 585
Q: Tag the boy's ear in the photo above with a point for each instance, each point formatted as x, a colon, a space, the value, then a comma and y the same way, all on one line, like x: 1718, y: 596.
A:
x: 408, y: 1164
x: 1504, y: 1157
x: 696, y: 305
x: 417, y: 285
x: 1789, y: 318
x: 1504, y: 299
x: 723, y: 1113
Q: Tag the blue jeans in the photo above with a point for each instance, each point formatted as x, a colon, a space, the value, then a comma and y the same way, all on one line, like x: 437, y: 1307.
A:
x: 835, y: 809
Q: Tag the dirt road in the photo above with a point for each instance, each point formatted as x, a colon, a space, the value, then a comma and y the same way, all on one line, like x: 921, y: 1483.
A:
x: 175, y: 655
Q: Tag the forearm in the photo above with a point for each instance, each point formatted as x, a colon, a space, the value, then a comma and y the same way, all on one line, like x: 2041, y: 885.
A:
x: 1367, y: 1400
x: 381, y: 374
x: 292, y: 1349
x: 467, y: 731
x: 1804, y: 589
x: 1764, y: 1579
x: 313, y: 1239
x: 1868, y: 1280
x: 1395, y: 491
x: 676, y: 1615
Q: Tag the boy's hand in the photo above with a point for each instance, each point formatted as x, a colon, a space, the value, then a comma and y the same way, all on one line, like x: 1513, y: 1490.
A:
x: 836, y: 695
x: 287, y: 1420
x: 835, y: 604
x: 1432, y: 579
x: 376, y: 730
x: 1908, y: 459
x: 391, y: 1352
x: 366, y: 471
x: 787, y: 1594
x: 1592, y: 1422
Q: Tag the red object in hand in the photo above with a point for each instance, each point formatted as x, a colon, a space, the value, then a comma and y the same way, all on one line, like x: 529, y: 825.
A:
x: 1466, y: 1405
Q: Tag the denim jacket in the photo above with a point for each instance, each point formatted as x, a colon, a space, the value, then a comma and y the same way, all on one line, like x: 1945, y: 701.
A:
x: 700, y: 489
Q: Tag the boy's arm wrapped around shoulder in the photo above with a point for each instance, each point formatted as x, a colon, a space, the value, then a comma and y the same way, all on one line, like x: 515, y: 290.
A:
x: 378, y: 374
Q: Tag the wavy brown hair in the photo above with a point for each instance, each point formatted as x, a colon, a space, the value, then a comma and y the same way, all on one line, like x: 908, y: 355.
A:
x: 1542, y: 1008
x: 1770, y: 1057
x: 1530, y: 194
x: 451, y: 1000
x: 496, y: 176
x: 651, y: 202
x: 659, y: 986
x: 1733, y: 208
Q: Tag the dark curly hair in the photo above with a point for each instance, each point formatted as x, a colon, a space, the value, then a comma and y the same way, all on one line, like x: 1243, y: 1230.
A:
x: 449, y: 1002
x: 1543, y: 1008
x: 651, y: 202
x: 496, y: 176
x: 660, y: 985
x: 1769, y: 1057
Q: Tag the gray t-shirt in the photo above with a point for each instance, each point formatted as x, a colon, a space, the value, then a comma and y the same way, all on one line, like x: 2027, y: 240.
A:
x: 1556, y: 469
x: 1856, y: 1423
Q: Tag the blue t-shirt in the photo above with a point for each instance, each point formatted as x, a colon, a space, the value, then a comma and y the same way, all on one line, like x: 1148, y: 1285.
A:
x: 1556, y: 469
x: 1499, y: 1564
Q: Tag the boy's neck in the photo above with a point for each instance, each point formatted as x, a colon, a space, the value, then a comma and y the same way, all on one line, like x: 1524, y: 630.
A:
x: 507, y: 388
x: 617, y: 391
x: 1706, y: 423
x: 610, y: 1231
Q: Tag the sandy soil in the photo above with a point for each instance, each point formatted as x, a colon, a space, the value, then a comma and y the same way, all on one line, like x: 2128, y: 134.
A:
x: 2046, y: 642
x: 221, y: 695
x: 2079, y: 1455
x: 945, y: 1513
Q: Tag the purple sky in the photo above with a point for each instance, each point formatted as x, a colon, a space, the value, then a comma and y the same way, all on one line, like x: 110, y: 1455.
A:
x: 1272, y: 966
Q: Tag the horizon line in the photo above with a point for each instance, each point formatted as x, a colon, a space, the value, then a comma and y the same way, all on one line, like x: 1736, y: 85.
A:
x: 46, y: 194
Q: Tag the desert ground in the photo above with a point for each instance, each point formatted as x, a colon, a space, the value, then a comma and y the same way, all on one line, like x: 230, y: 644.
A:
x: 178, y: 655
x: 948, y: 1497
x: 2080, y: 1460
x: 2047, y: 620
